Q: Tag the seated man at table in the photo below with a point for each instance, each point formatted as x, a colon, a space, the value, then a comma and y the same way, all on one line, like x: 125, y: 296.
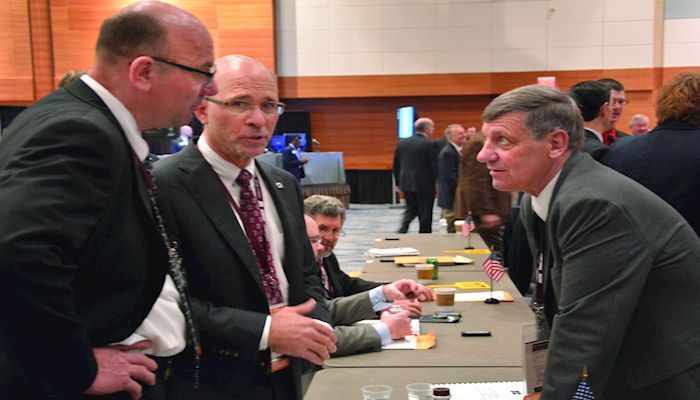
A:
x: 348, y: 310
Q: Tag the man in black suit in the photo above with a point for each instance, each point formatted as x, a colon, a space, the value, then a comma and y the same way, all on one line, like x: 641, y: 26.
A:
x: 82, y: 259
x: 593, y: 100
x: 415, y: 170
x: 448, y: 171
x: 291, y: 161
x: 252, y: 277
x: 666, y: 159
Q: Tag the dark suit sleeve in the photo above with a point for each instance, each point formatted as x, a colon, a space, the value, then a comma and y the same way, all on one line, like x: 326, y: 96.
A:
x: 289, y: 160
x: 343, y: 284
x: 53, y: 194
x: 396, y: 168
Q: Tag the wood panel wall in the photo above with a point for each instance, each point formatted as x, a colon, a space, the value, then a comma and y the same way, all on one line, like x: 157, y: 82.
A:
x: 16, y: 83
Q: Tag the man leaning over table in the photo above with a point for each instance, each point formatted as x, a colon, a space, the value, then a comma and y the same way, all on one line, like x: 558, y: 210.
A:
x: 621, y: 268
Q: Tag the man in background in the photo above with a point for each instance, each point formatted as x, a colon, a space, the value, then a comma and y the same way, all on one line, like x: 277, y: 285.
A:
x: 254, y: 282
x: 83, y: 260
x: 292, y: 161
x: 618, y: 101
x: 618, y: 268
x: 639, y: 124
x: 415, y: 171
x: 593, y: 99
x: 448, y: 171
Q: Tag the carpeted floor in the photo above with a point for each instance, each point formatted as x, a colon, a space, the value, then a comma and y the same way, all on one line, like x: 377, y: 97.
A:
x: 363, y: 223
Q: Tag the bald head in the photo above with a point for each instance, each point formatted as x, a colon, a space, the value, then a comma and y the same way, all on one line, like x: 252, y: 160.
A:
x: 424, y: 125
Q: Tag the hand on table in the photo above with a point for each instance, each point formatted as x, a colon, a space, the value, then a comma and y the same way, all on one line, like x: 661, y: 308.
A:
x: 119, y: 370
x: 412, y: 306
x: 406, y: 289
x: 399, y: 323
x: 294, y: 334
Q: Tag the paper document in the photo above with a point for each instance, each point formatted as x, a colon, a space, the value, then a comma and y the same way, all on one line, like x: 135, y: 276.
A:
x: 481, y: 296
x: 393, y: 252
x: 513, y: 390
x: 411, y: 342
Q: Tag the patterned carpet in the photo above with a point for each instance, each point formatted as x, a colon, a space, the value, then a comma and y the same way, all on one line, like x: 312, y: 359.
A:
x: 363, y: 223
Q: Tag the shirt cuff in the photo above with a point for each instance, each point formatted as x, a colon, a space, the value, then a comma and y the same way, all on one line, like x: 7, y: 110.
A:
x: 383, y: 331
x: 379, y: 302
x: 265, y: 334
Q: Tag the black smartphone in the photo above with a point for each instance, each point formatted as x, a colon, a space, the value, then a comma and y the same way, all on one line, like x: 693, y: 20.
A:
x: 446, y: 319
x: 439, y: 314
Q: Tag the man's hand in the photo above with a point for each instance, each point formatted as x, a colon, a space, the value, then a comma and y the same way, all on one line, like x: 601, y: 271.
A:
x: 399, y: 323
x: 407, y: 289
x: 293, y: 334
x: 489, y: 221
x: 412, y: 306
x: 304, y: 160
x: 118, y: 370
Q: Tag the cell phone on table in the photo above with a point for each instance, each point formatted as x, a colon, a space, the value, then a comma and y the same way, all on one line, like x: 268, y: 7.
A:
x: 439, y: 319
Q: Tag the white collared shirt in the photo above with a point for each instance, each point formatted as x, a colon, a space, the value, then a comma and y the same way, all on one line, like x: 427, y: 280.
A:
x: 165, y: 324
x: 228, y: 173
x: 540, y: 204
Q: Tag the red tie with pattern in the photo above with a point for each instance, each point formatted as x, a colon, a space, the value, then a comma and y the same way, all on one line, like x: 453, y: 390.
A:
x: 255, y: 229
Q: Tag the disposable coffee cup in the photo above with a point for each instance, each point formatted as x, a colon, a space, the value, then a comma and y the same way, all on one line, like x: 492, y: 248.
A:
x: 376, y: 392
x: 424, y: 273
x: 458, y: 226
x: 419, y: 391
x: 445, y: 298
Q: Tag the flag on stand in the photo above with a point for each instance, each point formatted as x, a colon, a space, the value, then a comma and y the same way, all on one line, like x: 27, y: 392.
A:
x: 468, y: 226
x: 493, y: 267
x: 583, y: 391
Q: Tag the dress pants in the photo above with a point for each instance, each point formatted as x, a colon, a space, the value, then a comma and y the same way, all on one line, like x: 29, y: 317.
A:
x: 418, y: 204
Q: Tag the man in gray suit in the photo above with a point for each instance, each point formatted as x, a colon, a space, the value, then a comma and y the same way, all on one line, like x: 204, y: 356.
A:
x: 619, y: 267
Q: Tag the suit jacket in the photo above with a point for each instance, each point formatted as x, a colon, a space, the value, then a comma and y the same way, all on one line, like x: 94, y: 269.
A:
x: 292, y: 164
x: 228, y: 301
x: 448, y: 170
x: 666, y: 162
x: 344, y: 285
x: 475, y: 193
x: 352, y: 339
x: 81, y: 261
x: 622, y: 277
x: 593, y: 146
x: 415, y: 164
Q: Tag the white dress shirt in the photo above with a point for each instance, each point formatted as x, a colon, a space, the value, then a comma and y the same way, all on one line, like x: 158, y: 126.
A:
x: 165, y: 324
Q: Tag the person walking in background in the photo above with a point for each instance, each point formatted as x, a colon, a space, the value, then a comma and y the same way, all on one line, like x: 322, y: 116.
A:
x: 448, y: 170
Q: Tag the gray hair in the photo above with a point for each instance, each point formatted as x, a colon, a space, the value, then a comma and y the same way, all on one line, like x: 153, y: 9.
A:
x: 637, y: 117
x: 324, y: 205
x: 548, y: 109
x: 450, y: 127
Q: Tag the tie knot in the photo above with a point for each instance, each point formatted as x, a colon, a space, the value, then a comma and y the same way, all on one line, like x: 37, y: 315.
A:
x: 243, y: 178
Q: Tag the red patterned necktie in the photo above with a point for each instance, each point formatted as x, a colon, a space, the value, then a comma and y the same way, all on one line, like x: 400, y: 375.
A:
x: 255, y: 229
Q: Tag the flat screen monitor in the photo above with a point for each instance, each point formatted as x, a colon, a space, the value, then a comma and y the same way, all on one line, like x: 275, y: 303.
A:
x: 302, y: 136
x: 277, y: 143
x: 405, y: 116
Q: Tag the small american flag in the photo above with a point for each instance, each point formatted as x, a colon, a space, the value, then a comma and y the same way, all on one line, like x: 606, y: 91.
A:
x: 493, y: 267
x: 583, y: 391
x: 468, y: 226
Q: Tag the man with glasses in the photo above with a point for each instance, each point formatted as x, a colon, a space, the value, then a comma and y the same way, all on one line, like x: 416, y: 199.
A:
x: 83, y: 257
x: 253, y: 280
x: 593, y: 100
x: 329, y: 214
x: 617, y: 102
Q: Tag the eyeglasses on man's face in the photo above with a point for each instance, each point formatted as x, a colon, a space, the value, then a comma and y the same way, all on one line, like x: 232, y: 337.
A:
x: 335, y: 232
x: 209, y: 74
x: 242, y: 107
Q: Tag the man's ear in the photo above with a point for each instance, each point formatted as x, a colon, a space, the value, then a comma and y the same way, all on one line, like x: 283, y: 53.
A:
x: 201, y: 112
x: 558, y: 143
x: 142, y: 73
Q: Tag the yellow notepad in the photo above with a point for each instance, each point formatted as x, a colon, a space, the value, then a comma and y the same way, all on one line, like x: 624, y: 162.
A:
x: 463, y: 285
x: 442, y: 260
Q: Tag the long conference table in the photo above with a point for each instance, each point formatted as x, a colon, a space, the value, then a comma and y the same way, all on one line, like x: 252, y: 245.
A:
x: 454, y: 358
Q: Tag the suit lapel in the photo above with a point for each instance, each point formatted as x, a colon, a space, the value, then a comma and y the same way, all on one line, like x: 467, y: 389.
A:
x: 205, y: 187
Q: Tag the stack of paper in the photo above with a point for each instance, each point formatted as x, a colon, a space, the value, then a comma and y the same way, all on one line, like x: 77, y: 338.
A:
x: 393, y: 252
x: 513, y: 390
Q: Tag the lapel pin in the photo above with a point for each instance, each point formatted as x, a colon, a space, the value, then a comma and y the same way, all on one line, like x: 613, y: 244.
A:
x: 279, y: 185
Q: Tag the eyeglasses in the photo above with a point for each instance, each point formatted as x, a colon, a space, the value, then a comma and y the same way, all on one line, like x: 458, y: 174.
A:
x: 209, y: 74
x: 243, y: 107
x: 315, y: 239
x: 335, y: 232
